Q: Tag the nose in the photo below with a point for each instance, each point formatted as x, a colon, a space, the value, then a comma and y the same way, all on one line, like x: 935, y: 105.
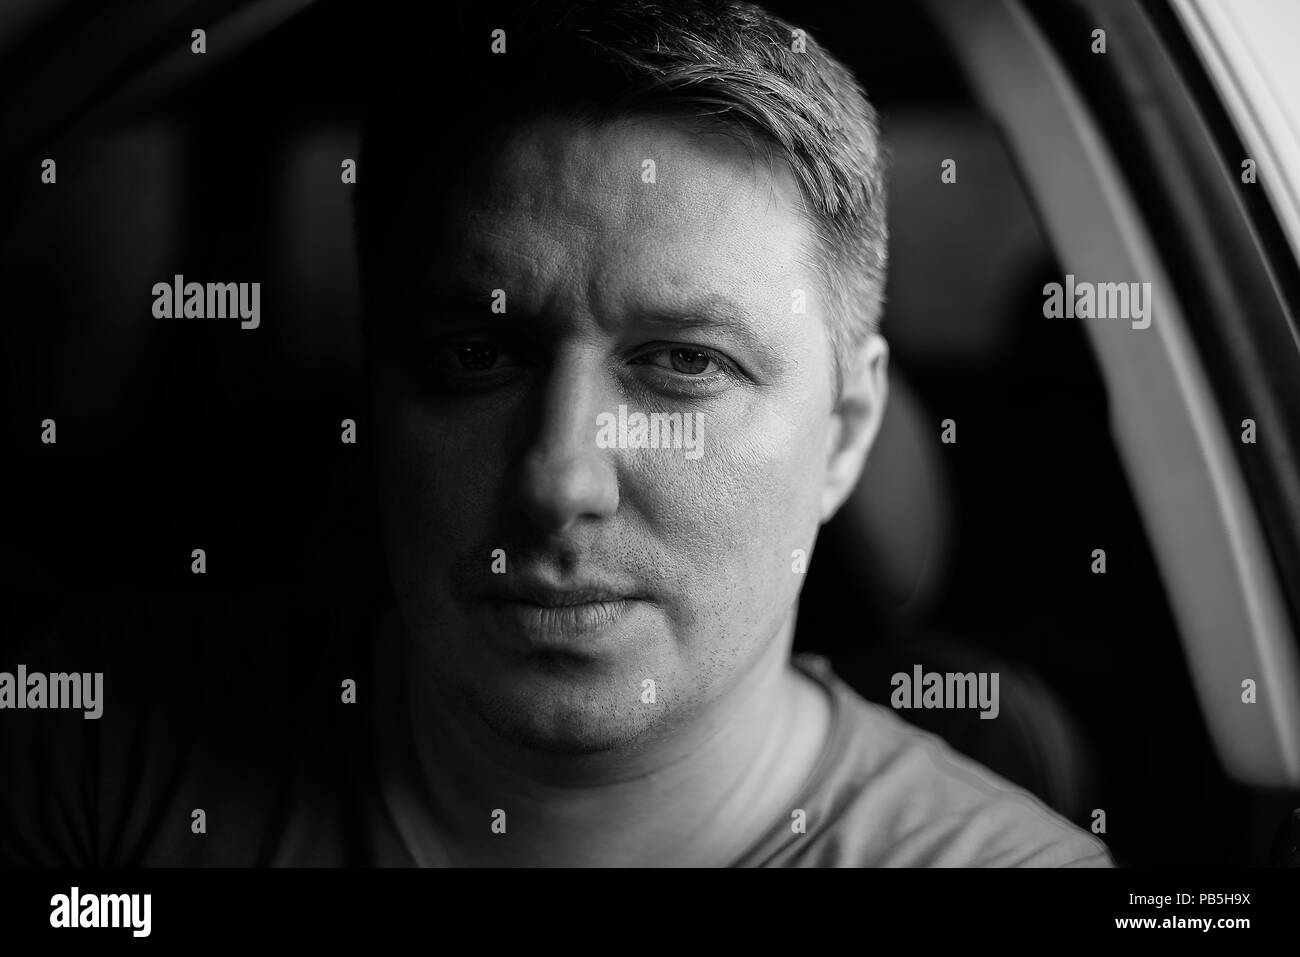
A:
x: 564, y: 477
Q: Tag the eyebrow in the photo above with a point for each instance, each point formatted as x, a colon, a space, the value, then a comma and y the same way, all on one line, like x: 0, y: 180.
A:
x: 714, y: 314
x: 717, y: 313
x: 711, y: 313
x: 453, y: 301
x: 461, y: 296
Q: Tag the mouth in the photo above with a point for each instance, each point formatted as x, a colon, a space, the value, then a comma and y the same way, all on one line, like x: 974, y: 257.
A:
x: 541, y: 617
x: 532, y: 593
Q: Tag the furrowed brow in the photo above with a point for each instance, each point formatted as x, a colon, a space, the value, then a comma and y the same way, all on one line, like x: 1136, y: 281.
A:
x: 716, y: 315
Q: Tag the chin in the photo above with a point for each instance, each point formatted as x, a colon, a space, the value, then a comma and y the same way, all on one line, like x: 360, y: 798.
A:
x: 559, y: 716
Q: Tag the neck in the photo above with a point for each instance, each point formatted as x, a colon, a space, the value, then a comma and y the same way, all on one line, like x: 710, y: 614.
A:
x: 699, y: 794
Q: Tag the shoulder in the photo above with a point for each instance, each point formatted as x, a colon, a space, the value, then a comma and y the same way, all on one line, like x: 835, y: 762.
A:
x: 889, y: 794
x: 206, y: 707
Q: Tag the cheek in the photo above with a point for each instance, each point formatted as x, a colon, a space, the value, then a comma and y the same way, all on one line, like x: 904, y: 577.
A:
x: 729, y: 521
x: 434, y: 478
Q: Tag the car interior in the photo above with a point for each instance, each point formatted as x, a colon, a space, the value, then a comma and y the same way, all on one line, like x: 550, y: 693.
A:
x: 970, y: 556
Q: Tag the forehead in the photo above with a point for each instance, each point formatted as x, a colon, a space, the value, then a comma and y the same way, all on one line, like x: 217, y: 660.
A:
x: 636, y: 206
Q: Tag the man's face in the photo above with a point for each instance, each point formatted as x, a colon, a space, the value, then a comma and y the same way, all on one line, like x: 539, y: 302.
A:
x: 549, y: 570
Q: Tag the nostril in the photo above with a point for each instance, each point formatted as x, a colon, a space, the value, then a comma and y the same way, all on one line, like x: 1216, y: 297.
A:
x: 560, y: 485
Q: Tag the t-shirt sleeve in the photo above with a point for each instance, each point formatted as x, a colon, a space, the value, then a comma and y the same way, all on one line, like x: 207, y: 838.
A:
x: 946, y: 810
x: 893, y: 795
x: 48, y: 761
x: 186, y: 765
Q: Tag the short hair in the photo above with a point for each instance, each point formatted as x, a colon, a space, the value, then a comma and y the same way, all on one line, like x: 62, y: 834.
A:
x: 727, y: 64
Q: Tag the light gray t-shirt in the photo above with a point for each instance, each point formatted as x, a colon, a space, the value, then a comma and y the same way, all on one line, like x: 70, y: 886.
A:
x: 887, y: 794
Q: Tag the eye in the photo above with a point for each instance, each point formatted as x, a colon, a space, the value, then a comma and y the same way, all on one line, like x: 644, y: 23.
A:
x: 458, y: 357
x: 476, y: 356
x: 462, y: 364
x: 688, y: 371
x: 682, y: 359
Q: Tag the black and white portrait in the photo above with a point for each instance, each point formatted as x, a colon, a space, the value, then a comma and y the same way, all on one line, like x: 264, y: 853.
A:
x: 582, y: 434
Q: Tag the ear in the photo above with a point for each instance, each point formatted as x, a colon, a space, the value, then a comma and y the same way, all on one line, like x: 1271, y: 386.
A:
x: 855, y: 421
